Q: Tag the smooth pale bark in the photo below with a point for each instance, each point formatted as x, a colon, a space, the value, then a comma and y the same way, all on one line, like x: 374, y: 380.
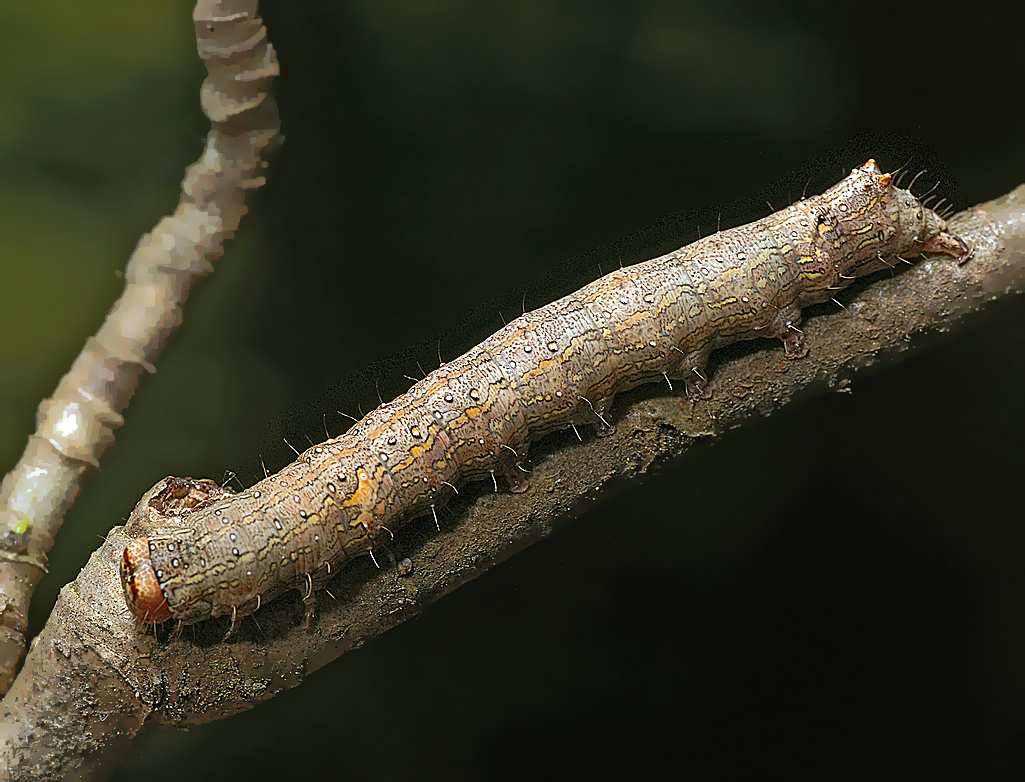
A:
x: 76, y: 425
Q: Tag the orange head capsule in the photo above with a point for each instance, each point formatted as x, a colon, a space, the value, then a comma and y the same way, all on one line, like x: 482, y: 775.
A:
x: 143, y: 594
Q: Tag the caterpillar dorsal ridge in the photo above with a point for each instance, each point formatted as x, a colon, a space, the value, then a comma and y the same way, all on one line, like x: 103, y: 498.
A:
x: 476, y: 416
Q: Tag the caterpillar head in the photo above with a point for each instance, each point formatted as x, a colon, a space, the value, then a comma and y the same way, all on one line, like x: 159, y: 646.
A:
x: 143, y: 594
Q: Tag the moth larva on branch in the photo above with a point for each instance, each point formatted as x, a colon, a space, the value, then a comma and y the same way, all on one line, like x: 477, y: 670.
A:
x: 555, y: 367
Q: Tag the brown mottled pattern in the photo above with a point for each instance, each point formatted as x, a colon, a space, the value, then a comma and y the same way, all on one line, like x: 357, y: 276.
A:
x: 557, y: 366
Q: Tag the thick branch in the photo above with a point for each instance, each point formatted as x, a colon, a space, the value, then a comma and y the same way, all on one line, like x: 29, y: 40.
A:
x: 76, y: 425
x: 108, y: 681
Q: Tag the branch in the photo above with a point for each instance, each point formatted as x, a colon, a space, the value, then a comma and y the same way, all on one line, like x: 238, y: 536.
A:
x: 76, y: 424
x: 105, y: 681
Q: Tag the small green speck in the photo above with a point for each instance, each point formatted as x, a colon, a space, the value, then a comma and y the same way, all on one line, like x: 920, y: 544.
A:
x: 22, y: 526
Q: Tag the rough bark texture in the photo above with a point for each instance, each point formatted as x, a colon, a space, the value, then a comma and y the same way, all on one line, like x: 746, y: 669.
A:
x: 91, y: 681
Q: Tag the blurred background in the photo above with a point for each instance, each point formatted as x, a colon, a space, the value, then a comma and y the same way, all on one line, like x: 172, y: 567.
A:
x: 832, y: 593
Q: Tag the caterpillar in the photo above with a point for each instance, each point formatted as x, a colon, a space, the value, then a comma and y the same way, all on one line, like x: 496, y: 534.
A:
x: 477, y: 416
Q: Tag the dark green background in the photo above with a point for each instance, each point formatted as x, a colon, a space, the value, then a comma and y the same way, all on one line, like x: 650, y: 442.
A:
x: 832, y: 593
